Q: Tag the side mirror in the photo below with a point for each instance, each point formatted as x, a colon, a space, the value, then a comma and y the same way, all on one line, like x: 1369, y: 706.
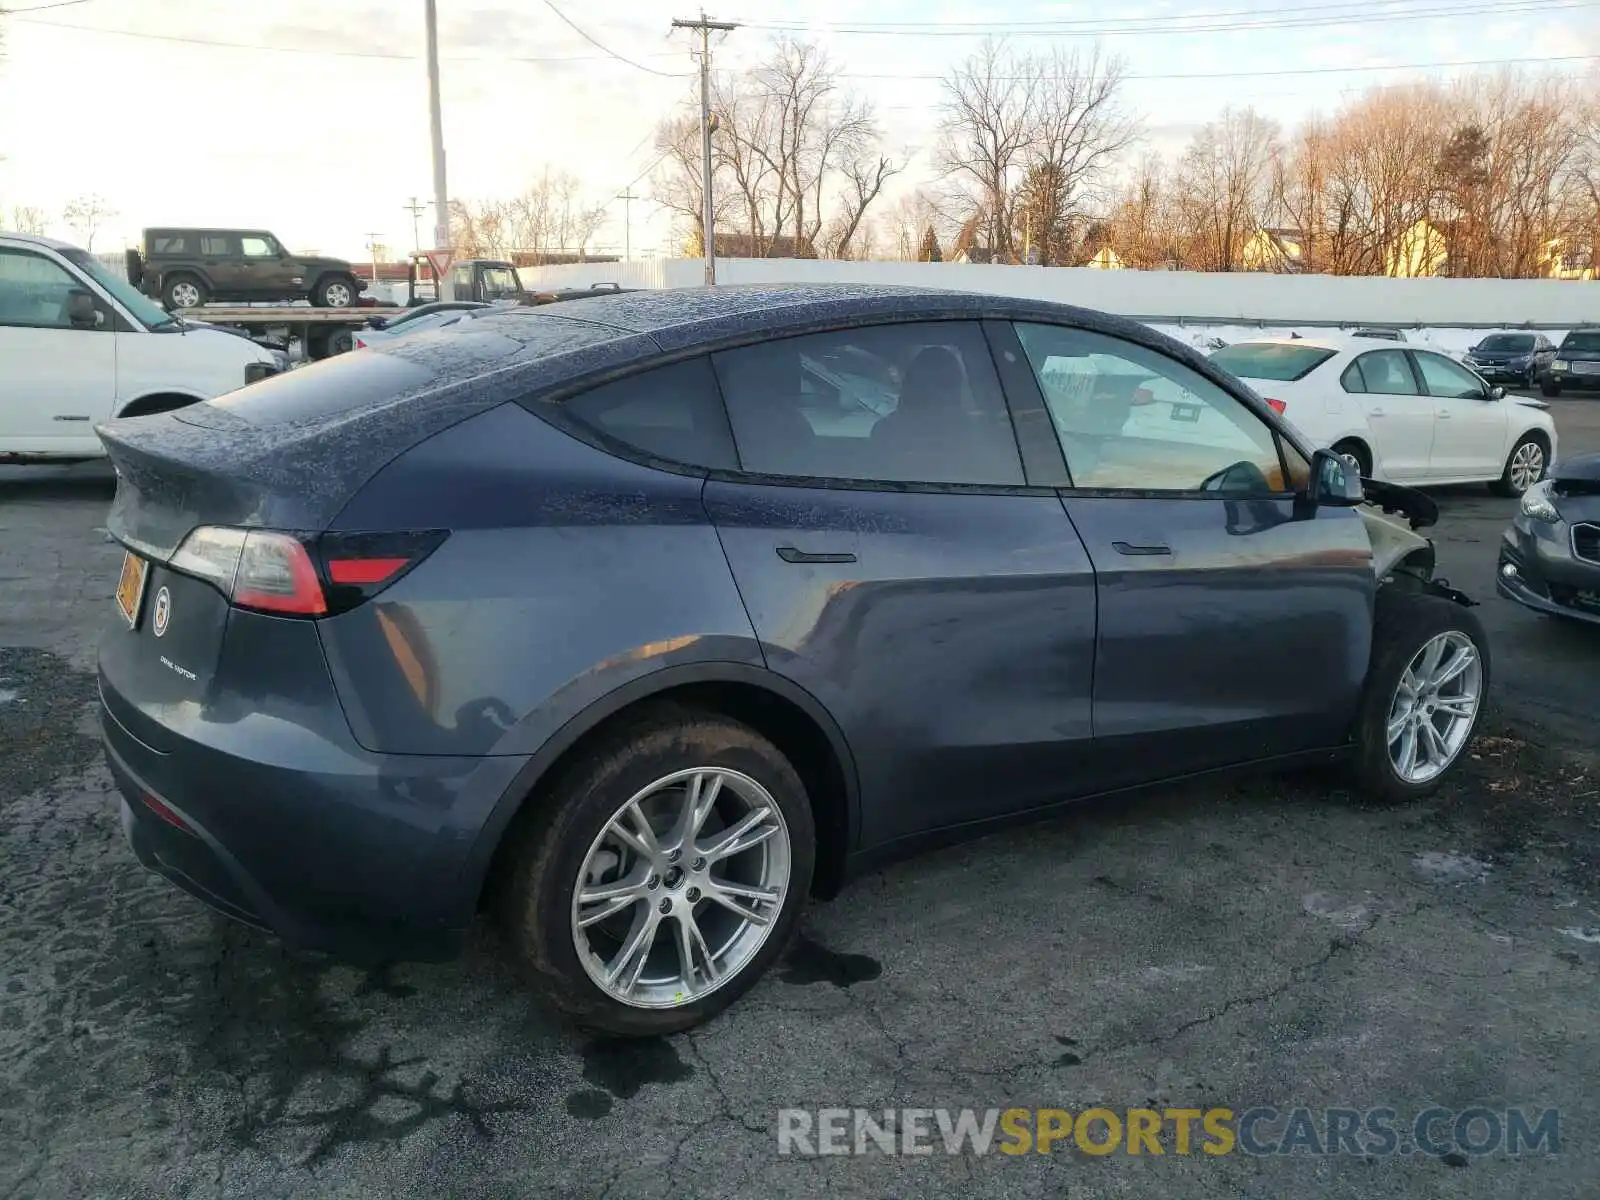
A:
x: 81, y: 310
x: 1497, y: 392
x: 1335, y: 481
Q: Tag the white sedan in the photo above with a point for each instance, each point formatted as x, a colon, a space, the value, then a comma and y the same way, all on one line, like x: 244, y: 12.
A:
x: 1400, y: 413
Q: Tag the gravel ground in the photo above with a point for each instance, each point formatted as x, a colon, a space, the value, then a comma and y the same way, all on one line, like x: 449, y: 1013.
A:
x: 1266, y: 941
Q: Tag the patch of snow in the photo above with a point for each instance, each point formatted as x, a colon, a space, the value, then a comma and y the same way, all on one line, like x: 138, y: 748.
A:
x: 1332, y: 909
x: 7, y: 696
x: 1179, y: 971
x: 1588, y: 934
x: 1442, y: 867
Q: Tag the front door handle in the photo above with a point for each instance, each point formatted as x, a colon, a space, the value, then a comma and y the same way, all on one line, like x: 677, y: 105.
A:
x: 1130, y: 548
x: 791, y: 555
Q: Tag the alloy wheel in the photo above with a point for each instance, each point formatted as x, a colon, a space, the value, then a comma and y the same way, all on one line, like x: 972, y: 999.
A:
x: 185, y: 295
x: 679, y: 891
x: 1434, y: 707
x: 337, y: 295
x: 1527, y: 465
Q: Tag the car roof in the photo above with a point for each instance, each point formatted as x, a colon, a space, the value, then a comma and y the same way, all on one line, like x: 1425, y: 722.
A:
x: 33, y: 239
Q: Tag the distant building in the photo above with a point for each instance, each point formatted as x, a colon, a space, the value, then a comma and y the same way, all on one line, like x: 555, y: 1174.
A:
x: 1279, y: 250
x: 1421, y: 250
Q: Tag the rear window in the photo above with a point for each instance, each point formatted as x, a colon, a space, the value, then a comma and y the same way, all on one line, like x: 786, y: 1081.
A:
x: 672, y: 412
x: 1581, y: 341
x: 1507, y: 341
x: 1271, y: 360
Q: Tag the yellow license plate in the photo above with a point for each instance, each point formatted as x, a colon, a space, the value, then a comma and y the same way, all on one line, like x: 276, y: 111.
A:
x: 130, y: 587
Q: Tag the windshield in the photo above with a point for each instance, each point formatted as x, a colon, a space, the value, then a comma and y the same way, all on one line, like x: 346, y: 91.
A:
x: 1581, y: 341
x: 1507, y: 341
x: 1271, y: 360
x: 144, y: 310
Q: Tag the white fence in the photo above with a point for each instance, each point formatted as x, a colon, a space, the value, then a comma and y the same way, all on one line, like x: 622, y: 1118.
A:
x: 1162, y: 297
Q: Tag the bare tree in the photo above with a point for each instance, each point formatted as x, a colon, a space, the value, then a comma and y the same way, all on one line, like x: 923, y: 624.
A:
x: 1225, y: 180
x: 988, y: 120
x: 1145, y: 228
x: 85, y: 215
x: 864, y: 178
x: 26, y: 218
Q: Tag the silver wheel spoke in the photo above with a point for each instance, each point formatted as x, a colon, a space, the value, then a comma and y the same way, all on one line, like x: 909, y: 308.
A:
x: 729, y: 898
x: 625, y: 969
x: 1397, y: 726
x: 1408, y: 684
x: 699, y: 797
x: 1438, y: 755
x: 1431, y: 656
x: 1457, y: 706
x: 741, y: 837
x: 596, y: 903
x: 1453, y: 670
x: 692, y: 943
x: 632, y: 829
x: 1408, y: 751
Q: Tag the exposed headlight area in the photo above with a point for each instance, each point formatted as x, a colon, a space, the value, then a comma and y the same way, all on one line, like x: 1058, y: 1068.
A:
x: 1538, y: 504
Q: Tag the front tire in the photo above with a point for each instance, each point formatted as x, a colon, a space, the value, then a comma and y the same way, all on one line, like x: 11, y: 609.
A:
x: 183, y: 291
x: 1550, y: 387
x: 1425, y: 691
x: 1357, y: 455
x: 1525, y: 466
x: 661, y: 875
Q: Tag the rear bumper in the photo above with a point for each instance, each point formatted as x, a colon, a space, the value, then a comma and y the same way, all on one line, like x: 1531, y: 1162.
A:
x: 363, y: 858
x: 1536, y: 569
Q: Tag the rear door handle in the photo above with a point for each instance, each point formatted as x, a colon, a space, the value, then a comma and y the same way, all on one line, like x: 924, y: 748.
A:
x: 1130, y: 548
x: 791, y: 555
x: 1374, y: 412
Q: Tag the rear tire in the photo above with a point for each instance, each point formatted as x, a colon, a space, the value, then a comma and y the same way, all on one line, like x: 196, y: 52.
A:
x: 1525, y: 466
x: 183, y: 291
x: 335, y: 291
x: 1356, y: 453
x: 558, y: 843
x: 1406, y: 625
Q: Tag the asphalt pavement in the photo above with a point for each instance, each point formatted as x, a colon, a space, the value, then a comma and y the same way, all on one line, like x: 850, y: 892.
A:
x: 1265, y: 941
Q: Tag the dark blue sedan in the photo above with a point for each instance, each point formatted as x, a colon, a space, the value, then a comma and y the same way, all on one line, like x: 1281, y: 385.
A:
x: 642, y: 618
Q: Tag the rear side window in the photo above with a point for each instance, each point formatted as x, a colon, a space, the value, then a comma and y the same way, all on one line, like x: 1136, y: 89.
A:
x: 1271, y: 360
x: 171, y: 243
x: 1382, y: 373
x: 912, y: 403
x: 215, y: 245
x: 670, y: 412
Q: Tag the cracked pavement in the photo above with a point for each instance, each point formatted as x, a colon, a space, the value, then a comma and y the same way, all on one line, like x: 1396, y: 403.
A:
x: 1260, y: 941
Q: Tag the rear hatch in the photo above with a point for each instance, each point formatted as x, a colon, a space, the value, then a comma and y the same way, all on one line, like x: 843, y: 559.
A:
x: 223, y: 504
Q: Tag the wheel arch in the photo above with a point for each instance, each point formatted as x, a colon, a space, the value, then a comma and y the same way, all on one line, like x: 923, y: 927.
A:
x: 781, y: 711
x: 198, y: 273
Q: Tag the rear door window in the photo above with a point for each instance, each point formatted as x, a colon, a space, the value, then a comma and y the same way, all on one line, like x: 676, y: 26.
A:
x: 912, y: 403
x: 1385, y: 373
x: 671, y: 412
x: 216, y: 245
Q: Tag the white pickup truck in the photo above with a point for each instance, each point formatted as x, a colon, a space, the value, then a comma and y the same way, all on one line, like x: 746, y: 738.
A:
x: 78, y: 344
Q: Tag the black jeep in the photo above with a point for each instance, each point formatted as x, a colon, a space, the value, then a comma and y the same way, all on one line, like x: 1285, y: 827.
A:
x: 188, y: 267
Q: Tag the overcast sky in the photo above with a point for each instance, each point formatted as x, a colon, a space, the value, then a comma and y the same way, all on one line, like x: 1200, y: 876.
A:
x: 310, y: 118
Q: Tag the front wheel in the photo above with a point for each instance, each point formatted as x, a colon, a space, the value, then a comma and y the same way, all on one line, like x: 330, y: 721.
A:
x: 1525, y: 466
x: 183, y: 291
x: 1550, y: 387
x: 1425, y: 691
x: 662, y: 874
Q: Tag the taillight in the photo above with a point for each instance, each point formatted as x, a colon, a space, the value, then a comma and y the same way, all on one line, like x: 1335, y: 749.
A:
x: 360, y: 345
x: 304, y: 576
x: 357, y: 566
x: 1276, y: 406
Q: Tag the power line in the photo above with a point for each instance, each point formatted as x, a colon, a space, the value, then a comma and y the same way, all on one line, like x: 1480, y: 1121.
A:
x: 1415, y: 66
x: 9, y: 12
x: 1352, y: 10
x: 215, y: 43
x: 607, y: 50
x: 1286, y: 19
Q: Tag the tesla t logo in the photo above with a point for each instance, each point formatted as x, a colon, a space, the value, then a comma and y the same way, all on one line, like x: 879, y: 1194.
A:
x: 163, y: 612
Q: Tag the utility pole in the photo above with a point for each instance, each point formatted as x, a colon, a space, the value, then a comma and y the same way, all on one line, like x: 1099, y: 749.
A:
x: 627, y: 197
x: 441, y: 201
x: 416, y: 209
x: 709, y: 220
x: 372, y: 249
